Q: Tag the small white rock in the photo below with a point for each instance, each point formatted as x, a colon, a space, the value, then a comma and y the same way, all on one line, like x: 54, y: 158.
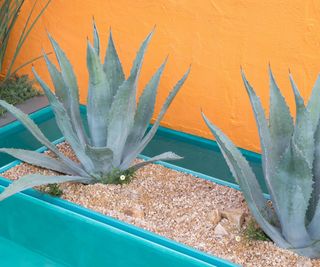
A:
x: 304, y: 263
x: 220, y: 230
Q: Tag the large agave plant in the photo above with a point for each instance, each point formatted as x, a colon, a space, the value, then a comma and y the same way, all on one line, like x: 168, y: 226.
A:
x: 117, y: 125
x: 291, y: 167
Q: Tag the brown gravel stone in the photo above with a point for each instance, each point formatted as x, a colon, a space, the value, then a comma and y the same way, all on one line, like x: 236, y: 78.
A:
x: 214, y: 216
x: 235, y: 216
x: 175, y: 205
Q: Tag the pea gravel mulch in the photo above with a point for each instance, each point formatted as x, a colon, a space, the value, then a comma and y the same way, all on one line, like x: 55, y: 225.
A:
x: 175, y: 205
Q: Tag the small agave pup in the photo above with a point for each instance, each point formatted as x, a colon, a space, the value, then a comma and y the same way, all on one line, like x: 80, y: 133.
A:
x: 291, y: 167
x: 117, y: 125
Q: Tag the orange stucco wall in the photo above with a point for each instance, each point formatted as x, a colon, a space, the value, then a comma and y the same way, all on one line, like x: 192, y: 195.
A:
x: 215, y: 36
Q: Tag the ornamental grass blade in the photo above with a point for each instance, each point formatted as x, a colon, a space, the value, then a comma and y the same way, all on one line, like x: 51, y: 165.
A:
x: 147, y: 138
x: 99, y: 99
x: 164, y: 156
x: 38, y: 159
x: 32, y: 180
x: 73, y: 92
x: 112, y: 67
x: 144, y: 110
x: 65, y: 125
x: 250, y: 187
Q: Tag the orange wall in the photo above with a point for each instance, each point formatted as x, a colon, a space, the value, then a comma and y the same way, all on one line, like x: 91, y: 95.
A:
x: 215, y: 36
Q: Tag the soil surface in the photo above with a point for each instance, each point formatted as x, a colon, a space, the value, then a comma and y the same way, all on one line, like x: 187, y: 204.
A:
x: 178, y: 206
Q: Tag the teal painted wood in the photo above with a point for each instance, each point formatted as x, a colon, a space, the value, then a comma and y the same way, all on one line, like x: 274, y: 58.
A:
x: 34, y: 232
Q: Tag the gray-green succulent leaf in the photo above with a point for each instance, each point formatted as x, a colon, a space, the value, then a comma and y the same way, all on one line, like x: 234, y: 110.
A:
x: 32, y: 180
x: 117, y: 124
x: 290, y: 160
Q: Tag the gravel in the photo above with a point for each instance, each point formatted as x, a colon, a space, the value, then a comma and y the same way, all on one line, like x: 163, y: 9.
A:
x: 175, y: 205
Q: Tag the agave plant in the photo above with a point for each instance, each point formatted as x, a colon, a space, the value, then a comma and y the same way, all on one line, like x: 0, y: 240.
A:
x: 291, y: 168
x: 117, y: 125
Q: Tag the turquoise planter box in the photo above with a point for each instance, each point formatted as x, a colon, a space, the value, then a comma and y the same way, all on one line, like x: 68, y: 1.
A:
x: 50, y: 224
x: 36, y: 233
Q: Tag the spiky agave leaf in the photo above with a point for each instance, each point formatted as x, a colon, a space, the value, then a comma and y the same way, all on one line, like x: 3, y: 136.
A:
x: 99, y: 99
x: 164, y: 156
x: 36, y: 132
x: 144, y: 111
x: 127, y: 159
x: 65, y: 125
x: 32, y: 180
x: 39, y: 159
x: 250, y: 187
x: 123, y: 107
x: 289, y: 154
x: 70, y: 80
x: 112, y: 67
x: 115, y: 121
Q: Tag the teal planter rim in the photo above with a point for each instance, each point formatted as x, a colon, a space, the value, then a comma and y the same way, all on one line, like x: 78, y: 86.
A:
x: 47, y: 112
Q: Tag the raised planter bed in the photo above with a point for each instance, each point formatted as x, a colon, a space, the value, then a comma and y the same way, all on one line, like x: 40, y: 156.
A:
x: 34, y: 232
x: 201, y: 157
x: 14, y: 135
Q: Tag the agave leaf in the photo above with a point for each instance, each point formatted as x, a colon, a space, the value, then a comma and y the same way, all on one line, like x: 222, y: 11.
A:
x: 314, y: 103
x: 65, y: 125
x: 123, y: 108
x: 264, y: 132
x: 281, y: 123
x: 102, y: 158
x: 304, y: 139
x: 32, y: 180
x: 121, y: 120
x: 96, y: 39
x: 144, y: 110
x: 36, y: 132
x: 99, y: 99
x: 60, y: 87
x: 39, y: 159
x: 314, y: 108
x: 164, y: 156
x: 131, y: 156
x: 112, y: 67
x: 137, y: 63
x: 73, y: 93
x: 268, y: 159
x: 314, y: 208
x: 251, y: 189
x: 29, y: 124
x: 293, y: 180
x: 303, y: 131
